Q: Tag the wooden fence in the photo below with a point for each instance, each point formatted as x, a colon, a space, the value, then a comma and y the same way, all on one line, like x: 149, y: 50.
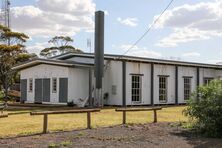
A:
x: 46, y: 113
x: 3, y: 115
x: 88, y: 113
x: 124, y: 110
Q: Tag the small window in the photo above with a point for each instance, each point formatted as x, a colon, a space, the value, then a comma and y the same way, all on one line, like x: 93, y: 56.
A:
x: 54, y: 85
x: 207, y: 81
x: 163, y: 88
x: 114, y: 89
x: 136, y: 88
x: 187, y: 88
x: 30, y: 85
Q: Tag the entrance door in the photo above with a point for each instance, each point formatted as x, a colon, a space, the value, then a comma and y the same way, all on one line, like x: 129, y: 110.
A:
x: 23, y: 90
x: 63, y: 90
x: 46, y: 90
x: 38, y: 90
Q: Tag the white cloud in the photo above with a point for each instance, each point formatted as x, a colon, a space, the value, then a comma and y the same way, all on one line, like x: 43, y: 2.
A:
x: 191, y: 54
x: 191, y: 22
x: 53, y: 17
x: 182, y: 36
x: 106, y: 12
x: 125, y: 47
x: 37, y: 47
x: 145, y: 53
x: 139, y: 51
x: 132, y: 22
x: 215, y: 61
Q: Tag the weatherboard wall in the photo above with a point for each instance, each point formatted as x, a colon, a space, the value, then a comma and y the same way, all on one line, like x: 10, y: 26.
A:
x: 78, y: 84
x: 112, y: 83
x: 133, y: 68
x: 169, y: 72
x: 78, y: 80
x: 185, y: 72
x: 40, y: 72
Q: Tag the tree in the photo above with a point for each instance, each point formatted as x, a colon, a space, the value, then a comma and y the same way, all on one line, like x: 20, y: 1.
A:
x: 11, y: 48
x: 61, y: 44
x: 205, y: 109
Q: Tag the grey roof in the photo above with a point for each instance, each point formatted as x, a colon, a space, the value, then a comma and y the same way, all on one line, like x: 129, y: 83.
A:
x: 137, y: 59
x: 38, y: 61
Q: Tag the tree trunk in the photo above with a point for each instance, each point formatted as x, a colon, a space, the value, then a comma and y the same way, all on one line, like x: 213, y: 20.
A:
x: 5, y: 87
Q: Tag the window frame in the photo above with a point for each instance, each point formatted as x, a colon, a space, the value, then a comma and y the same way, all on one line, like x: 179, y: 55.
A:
x: 54, y: 85
x: 30, y: 85
x: 208, y: 79
x: 163, y: 82
x: 187, y: 88
x: 136, y: 88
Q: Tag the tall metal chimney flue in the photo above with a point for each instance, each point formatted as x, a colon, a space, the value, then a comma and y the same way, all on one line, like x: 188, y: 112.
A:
x: 99, y: 57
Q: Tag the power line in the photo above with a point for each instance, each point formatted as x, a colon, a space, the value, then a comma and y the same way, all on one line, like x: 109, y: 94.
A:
x: 148, y: 30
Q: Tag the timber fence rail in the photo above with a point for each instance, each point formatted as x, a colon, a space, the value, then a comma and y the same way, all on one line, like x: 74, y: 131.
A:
x: 3, y: 115
x: 124, y: 110
x: 2, y: 108
x: 46, y: 113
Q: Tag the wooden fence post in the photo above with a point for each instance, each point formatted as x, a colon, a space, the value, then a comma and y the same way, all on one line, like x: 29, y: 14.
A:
x: 124, y: 117
x: 88, y: 120
x: 45, y: 123
x: 155, y: 116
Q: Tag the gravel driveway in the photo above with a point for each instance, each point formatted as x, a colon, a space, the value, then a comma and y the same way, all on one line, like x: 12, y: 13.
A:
x: 129, y: 136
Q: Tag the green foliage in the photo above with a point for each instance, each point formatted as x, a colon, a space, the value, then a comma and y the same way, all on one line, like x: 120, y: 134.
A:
x: 25, y: 57
x: 205, y: 109
x: 11, y: 52
x: 61, y: 44
x: 1, y: 95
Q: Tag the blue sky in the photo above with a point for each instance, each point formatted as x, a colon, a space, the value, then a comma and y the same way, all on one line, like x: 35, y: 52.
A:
x: 190, y: 30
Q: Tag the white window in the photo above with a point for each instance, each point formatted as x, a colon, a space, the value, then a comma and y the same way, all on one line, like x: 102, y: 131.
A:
x: 207, y: 81
x: 187, y: 88
x: 163, y: 88
x: 30, y: 85
x: 54, y: 85
x: 136, y: 88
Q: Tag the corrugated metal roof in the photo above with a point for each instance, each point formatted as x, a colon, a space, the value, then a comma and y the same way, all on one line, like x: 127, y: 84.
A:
x: 137, y: 59
x: 38, y: 61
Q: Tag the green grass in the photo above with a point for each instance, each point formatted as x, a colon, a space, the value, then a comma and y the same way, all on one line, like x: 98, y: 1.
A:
x: 24, y: 124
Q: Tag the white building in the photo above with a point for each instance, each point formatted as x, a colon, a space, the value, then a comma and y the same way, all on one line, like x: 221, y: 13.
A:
x: 127, y: 80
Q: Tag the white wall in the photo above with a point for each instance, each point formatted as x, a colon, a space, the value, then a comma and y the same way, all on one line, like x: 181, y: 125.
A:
x: 78, y: 80
x: 218, y: 74
x: 113, y: 77
x: 138, y: 68
x: 207, y: 72
x: 78, y: 84
x: 44, y: 71
x: 170, y: 72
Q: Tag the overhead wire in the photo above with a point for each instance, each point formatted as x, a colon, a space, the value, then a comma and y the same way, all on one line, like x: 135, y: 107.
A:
x: 148, y: 30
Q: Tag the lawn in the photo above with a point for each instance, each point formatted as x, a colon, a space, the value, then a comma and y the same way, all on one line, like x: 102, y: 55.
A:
x: 24, y: 124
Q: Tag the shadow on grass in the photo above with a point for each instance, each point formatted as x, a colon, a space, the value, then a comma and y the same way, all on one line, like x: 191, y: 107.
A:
x: 196, y: 140
x: 52, y: 132
x: 41, y: 133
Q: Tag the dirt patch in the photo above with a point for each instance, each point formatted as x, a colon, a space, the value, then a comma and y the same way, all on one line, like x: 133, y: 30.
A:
x: 130, y: 136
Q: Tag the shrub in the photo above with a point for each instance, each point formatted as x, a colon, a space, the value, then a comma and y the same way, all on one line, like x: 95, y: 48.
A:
x: 205, y: 109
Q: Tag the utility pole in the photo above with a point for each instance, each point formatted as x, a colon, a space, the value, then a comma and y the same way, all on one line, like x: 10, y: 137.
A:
x: 5, y: 13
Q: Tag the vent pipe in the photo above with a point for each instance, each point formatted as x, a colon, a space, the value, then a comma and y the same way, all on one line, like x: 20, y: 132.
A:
x: 99, y: 57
